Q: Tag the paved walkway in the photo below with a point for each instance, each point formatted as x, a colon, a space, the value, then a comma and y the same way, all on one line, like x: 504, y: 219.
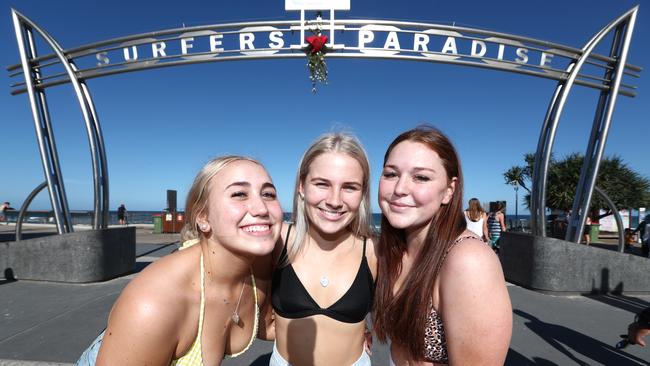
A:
x: 48, y: 324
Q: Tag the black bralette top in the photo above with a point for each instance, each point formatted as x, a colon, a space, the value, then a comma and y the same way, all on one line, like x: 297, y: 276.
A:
x: 291, y: 300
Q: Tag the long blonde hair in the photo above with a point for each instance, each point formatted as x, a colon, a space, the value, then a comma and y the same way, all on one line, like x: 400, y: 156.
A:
x: 337, y: 143
x: 196, y: 203
x: 475, y: 211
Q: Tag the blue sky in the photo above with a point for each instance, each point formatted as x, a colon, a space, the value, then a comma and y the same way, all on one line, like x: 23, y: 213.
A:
x: 160, y: 126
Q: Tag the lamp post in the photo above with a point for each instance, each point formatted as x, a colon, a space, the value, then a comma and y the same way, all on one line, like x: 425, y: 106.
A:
x: 516, y: 203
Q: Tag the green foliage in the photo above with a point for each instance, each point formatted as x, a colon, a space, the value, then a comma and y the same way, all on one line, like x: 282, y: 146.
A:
x: 627, y: 188
x: 515, y: 176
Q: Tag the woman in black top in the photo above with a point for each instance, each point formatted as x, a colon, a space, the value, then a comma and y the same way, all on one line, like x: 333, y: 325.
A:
x: 323, y: 285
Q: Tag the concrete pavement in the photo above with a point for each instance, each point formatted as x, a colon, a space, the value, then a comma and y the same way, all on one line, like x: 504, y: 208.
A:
x: 44, y: 323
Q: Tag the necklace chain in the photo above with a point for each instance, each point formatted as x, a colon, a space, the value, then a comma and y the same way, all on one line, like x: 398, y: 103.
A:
x: 235, y: 318
x: 235, y: 314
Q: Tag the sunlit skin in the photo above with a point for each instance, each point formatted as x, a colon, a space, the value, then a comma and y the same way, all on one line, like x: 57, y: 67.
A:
x: 332, y: 193
x: 241, y: 216
x: 412, y: 187
x: 469, y: 293
x: 156, y: 317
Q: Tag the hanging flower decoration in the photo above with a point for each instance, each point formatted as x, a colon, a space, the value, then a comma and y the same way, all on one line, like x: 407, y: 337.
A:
x: 315, y: 50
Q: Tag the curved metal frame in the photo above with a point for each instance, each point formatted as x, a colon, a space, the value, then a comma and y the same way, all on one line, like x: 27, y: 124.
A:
x: 93, y: 130
x: 624, y: 25
x: 617, y: 217
x: 23, y: 209
x: 614, y: 65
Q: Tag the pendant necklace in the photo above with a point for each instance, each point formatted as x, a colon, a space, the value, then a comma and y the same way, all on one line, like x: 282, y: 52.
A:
x: 324, y: 281
x: 235, y: 314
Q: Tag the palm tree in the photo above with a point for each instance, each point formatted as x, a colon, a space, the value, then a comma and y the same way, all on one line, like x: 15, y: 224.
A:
x: 515, y: 177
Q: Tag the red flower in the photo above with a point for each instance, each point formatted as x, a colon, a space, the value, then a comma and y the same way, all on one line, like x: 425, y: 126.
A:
x: 316, y: 42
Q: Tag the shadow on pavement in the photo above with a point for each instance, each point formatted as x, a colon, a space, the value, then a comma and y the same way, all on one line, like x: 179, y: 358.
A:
x: 569, y: 342
x: 158, y: 247
x: 515, y: 358
x: 632, y: 304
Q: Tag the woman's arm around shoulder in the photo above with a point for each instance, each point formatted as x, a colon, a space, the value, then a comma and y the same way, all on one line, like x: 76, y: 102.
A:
x: 267, y: 325
x: 263, y: 268
x: 371, y: 255
x: 475, y: 305
x: 147, y: 319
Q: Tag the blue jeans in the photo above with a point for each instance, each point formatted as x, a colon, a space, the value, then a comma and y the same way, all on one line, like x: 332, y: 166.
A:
x: 89, y: 357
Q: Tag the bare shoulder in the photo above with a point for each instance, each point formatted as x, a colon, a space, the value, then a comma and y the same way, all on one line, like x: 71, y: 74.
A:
x: 147, y: 320
x: 163, y: 285
x: 470, y: 257
x: 475, y: 305
x: 472, y: 275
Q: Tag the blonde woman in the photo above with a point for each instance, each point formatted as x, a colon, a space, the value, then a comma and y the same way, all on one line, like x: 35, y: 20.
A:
x: 323, y: 286
x: 197, y: 305
x: 476, y: 219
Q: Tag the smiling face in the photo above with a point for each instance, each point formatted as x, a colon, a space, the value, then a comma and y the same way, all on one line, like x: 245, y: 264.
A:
x: 332, y: 191
x: 413, y: 186
x: 243, y: 213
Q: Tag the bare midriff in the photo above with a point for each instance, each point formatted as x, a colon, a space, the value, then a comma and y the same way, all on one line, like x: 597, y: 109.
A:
x: 319, y: 340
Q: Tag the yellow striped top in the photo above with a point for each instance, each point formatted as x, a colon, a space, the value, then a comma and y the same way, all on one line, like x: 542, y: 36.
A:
x: 194, y: 357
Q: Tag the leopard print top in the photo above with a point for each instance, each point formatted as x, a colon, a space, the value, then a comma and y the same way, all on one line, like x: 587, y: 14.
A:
x: 435, y: 344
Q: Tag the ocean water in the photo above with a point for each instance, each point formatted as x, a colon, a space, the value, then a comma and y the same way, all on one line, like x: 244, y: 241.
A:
x: 146, y: 217
x: 84, y: 217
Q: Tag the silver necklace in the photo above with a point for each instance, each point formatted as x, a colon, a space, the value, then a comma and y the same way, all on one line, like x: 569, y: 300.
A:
x: 235, y: 314
x: 324, y: 281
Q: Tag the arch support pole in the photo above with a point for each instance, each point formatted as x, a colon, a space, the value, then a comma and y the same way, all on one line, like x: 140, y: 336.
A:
x: 600, y: 130
x: 552, y: 119
x: 44, y: 133
x: 93, y: 130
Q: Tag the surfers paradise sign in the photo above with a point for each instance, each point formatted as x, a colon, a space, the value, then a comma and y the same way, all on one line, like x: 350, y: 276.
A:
x: 341, y: 39
x: 373, y: 40
x: 354, y: 38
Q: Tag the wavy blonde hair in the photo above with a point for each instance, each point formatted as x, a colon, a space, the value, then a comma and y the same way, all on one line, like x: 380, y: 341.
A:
x: 196, y: 203
x: 330, y: 143
x: 475, y: 211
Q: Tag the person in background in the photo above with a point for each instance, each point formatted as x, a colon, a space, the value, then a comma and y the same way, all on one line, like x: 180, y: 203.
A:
x: 323, y: 286
x: 643, y: 229
x: 496, y: 224
x: 637, y: 330
x: 441, y: 296
x: 199, y: 304
x: 121, y: 214
x: 3, y: 208
x: 476, y: 219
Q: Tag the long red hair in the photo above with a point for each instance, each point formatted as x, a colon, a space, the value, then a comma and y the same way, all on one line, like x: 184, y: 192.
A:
x: 402, y: 316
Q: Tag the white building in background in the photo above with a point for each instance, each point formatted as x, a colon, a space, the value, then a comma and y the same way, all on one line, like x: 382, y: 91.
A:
x: 609, y: 223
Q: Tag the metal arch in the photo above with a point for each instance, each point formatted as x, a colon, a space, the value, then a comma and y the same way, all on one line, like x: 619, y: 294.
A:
x: 24, y: 207
x: 47, y: 148
x: 566, y: 79
x: 551, y: 121
x: 87, y: 110
x: 51, y: 144
x: 99, y: 219
x: 147, y: 39
x: 617, y: 217
x: 600, y: 130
